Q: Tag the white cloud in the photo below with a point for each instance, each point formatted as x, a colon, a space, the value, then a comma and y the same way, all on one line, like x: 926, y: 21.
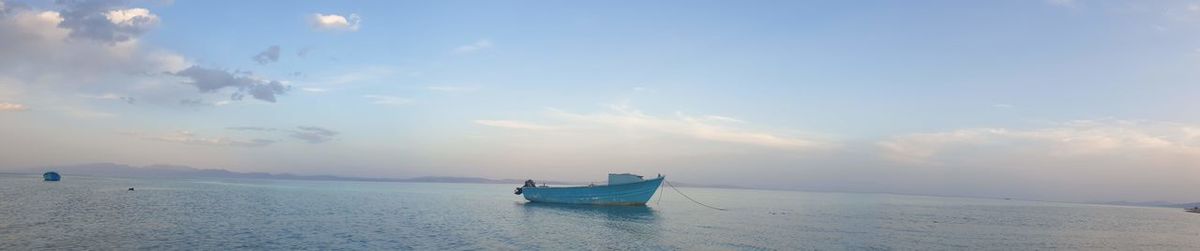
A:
x: 473, y: 47
x: 1071, y: 139
x: 12, y: 107
x: 722, y: 119
x: 642, y: 89
x: 310, y: 134
x: 110, y: 96
x: 187, y: 137
x: 623, y: 116
x: 625, y: 120
x: 105, y: 21
x: 167, y: 62
x: 361, y: 75
x: 106, y: 96
x: 84, y: 113
x: 1077, y: 160
x: 1002, y: 106
x: 387, y: 100
x: 512, y: 124
x: 313, y: 134
x: 46, y: 57
x: 313, y: 89
x: 137, y: 18
x: 336, y: 22
x: 445, y: 88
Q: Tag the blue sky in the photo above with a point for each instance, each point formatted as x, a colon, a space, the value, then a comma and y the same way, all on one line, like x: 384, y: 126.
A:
x: 1028, y: 99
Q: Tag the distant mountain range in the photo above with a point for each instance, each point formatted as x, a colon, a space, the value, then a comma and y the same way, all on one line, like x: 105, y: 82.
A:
x: 1158, y: 203
x: 1184, y: 205
x: 177, y: 171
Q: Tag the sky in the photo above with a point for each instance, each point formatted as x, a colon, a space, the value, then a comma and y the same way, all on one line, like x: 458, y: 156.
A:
x: 1068, y: 100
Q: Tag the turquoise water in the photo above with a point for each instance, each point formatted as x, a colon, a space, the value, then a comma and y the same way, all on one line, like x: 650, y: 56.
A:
x: 98, y: 213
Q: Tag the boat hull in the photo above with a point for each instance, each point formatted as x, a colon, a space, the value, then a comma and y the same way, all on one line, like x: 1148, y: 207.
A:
x: 637, y: 193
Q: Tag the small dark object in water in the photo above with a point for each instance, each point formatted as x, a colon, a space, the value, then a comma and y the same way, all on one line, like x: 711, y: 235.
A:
x: 130, y: 189
x: 51, y: 176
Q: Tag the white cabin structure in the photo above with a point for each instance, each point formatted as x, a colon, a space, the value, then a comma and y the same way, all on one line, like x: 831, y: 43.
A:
x: 623, y: 178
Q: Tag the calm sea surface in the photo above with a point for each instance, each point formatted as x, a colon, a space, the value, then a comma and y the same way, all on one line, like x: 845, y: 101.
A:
x: 218, y: 214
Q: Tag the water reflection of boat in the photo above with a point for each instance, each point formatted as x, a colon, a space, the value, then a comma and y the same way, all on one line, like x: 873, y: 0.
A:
x: 622, y: 189
x: 618, y: 227
x: 635, y: 214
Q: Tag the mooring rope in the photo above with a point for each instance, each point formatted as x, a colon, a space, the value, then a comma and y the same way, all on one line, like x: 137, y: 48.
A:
x: 660, y: 195
x: 690, y: 198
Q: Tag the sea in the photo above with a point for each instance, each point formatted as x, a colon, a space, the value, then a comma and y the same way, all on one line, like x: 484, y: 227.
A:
x: 99, y: 213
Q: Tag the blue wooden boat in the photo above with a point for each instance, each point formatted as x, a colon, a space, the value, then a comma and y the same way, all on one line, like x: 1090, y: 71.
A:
x: 51, y: 176
x: 622, y: 189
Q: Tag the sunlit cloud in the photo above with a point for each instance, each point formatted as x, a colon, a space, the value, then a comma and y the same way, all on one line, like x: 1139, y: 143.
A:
x: 110, y: 96
x: 1128, y: 158
x: 628, y: 118
x: 336, y: 22
x: 512, y: 124
x: 189, y: 138
x: 12, y: 107
x: 1070, y: 139
x: 201, y: 102
x: 313, y: 134
x: 716, y: 118
x: 105, y: 21
x: 93, y: 51
x: 705, y: 128
x: 133, y: 17
x: 310, y: 134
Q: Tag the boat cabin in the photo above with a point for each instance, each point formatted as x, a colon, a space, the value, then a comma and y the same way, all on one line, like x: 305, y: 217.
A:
x: 623, y: 178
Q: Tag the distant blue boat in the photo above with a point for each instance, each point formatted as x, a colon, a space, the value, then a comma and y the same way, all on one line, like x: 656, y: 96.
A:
x: 622, y: 189
x: 51, y: 176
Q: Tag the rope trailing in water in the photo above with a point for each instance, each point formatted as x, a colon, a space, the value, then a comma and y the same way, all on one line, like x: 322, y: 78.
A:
x: 690, y: 198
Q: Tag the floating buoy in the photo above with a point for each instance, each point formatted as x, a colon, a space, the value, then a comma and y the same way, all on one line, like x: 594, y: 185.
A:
x: 51, y: 176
